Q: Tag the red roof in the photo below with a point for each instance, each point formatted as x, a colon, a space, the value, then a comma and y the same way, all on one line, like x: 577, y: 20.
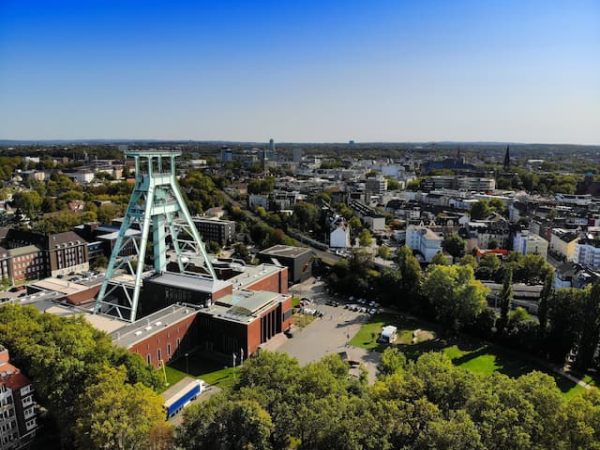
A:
x: 14, y: 380
x: 495, y: 251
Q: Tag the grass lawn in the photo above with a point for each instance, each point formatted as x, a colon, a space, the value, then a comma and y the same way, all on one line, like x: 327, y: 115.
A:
x: 369, y: 332
x: 466, y: 352
x: 211, y: 372
x: 302, y: 320
x: 295, y: 301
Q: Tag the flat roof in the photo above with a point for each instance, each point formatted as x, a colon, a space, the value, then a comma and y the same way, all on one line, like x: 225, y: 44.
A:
x: 286, y: 250
x: 190, y: 282
x: 59, y: 285
x: 239, y: 313
x: 26, y: 249
x: 252, y: 274
x: 133, y: 333
x: 113, y: 234
x: 251, y: 301
x: 101, y: 322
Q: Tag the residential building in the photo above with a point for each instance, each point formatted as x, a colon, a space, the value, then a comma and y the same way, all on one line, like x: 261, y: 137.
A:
x: 18, y: 410
x: 460, y: 183
x: 339, y: 233
x: 376, y: 185
x: 572, y: 199
x: 369, y: 215
x: 587, y: 253
x: 4, y: 265
x: 216, y: 230
x: 563, y: 243
x: 527, y: 243
x: 26, y: 263
x: 423, y: 240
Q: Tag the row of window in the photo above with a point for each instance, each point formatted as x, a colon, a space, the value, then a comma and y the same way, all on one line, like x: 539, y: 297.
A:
x: 30, y: 424
x: 159, y: 353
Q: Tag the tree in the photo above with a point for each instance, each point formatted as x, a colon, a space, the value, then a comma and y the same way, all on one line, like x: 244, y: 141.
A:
x: 28, y: 202
x: 490, y: 261
x: 457, y: 432
x: 480, y: 210
x: 545, y: 295
x: 115, y: 415
x: 454, y: 245
x: 224, y: 424
x: 391, y: 361
x: 590, y: 333
x: 107, y: 212
x: 384, y: 252
x: 440, y: 259
x: 365, y: 239
x: 506, y: 298
x: 100, y: 262
x: 305, y: 215
x: 469, y: 260
x: 457, y: 297
x: 240, y: 251
x: 63, y: 356
x: 565, y: 316
x: 410, y: 272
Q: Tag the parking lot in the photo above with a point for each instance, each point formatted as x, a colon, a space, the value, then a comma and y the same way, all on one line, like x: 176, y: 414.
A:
x: 330, y: 333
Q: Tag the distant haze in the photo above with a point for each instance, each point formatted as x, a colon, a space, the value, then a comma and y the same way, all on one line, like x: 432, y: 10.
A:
x: 326, y: 71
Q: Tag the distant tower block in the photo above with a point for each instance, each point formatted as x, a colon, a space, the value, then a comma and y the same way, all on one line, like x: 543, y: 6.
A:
x: 156, y: 205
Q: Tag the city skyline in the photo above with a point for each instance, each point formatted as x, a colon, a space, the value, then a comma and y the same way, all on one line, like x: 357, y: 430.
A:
x: 332, y: 72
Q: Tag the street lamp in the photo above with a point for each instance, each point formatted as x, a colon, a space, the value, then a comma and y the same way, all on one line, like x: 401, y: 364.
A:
x: 187, y: 363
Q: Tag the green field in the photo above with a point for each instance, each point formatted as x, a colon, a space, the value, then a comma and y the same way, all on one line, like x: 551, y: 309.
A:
x: 469, y: 353
x: 211, y: 372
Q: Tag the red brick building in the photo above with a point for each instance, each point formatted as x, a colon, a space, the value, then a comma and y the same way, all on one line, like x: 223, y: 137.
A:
x: 237, y: 323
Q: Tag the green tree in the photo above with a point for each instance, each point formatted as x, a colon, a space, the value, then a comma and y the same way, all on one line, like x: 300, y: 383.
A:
x: 545, y: 295
x: 391, y: 361
x: 28, y: 202
x: 440, y: 259
x: 457, y: 432
x: 365, y: 239
x: 590, y: 333
x: 506, y: 298
x: 305, y: 215
x: 565, y: 316
x: 480, y: 210
x: 410, y: 272
x: 469, y: 260
x: 454, y: 245
x: 490, y: 261
x: 113, y: 414
x: 100, y: 263
x: 108, y: 212
x: 385, y: 252
x: 223, y: 424
x: 457, y: 297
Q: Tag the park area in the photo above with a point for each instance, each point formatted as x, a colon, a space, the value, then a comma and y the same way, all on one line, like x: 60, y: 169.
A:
x: 415, y: 337
x: 197, y: 366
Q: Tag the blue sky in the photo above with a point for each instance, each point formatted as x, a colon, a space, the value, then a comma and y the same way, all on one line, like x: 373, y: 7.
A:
x: 525, y: 71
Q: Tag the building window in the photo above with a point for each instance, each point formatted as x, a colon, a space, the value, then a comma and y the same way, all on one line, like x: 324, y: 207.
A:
x: 149, y: 358
x: 158, y: 354
x: 169, y: 349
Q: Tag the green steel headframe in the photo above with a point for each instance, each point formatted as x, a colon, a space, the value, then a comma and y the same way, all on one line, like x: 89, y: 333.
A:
x: 156, y: 205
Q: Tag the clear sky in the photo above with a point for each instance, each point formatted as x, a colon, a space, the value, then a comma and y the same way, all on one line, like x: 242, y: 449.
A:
x: 366, y: 70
